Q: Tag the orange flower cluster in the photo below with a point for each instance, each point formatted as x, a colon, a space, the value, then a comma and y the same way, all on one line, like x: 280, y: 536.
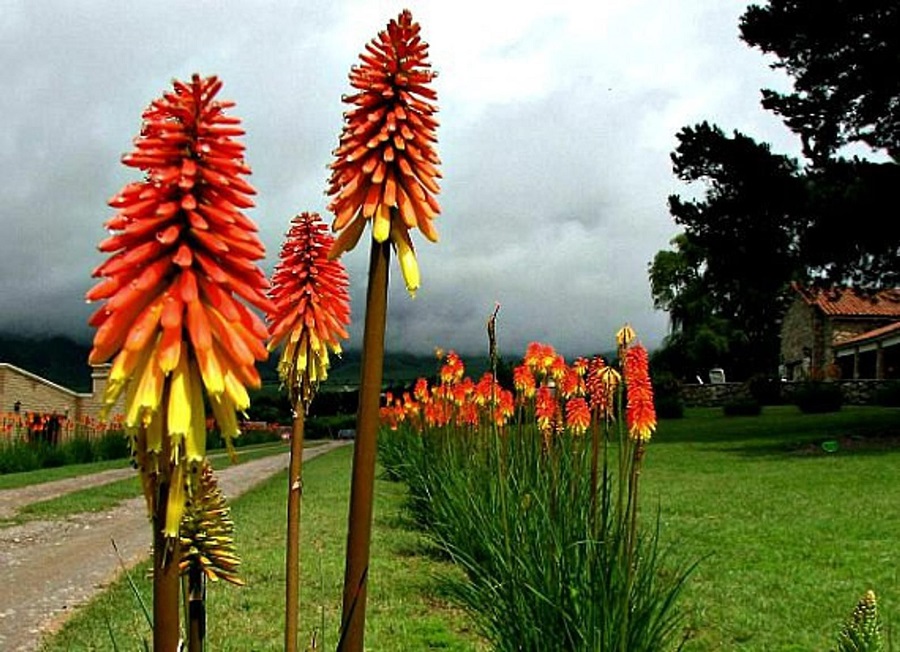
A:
x: 385, y: 164
x: 181, y: 255
x: 557, y: 395
x: 310, y: 306
x: 602, y: 385
x: 456, y: 400
x: 640, y: 413
x: 19, y: 424
x: 578, y: 415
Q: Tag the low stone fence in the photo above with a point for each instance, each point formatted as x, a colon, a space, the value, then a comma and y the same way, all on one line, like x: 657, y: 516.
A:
x: 855, y: 392
x: 713, y: 395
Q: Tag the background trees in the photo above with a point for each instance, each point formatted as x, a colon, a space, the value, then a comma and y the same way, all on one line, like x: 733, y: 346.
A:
x: 766, y: 219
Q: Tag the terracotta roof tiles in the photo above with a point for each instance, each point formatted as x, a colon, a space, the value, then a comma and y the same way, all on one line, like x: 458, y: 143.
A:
x: 847, y: 302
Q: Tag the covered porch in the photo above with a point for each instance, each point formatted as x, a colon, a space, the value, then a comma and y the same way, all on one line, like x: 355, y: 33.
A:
x: 874, y: 354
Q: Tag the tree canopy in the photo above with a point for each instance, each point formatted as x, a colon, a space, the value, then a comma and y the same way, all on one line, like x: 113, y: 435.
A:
x: 723, y: 283
x: 843, y: 56
x: 765, y: 219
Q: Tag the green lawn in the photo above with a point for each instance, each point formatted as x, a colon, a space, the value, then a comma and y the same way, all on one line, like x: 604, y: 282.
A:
x: 39, y: 476
x: 790, y: 537
x: 107, y: 496
x: 403, y: 611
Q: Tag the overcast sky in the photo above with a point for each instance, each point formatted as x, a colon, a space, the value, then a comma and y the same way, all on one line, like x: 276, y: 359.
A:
x: 557, y: 121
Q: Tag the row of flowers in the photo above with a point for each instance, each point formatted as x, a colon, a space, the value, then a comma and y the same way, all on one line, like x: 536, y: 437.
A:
x: 533, y: 491
x: 562, y: 395
x: 22, y: 423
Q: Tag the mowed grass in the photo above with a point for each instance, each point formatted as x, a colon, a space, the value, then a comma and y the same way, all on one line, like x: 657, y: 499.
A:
x: 109, y: 495
x: 404, y: 610
x: 789, y: 536
x: 40, y: 476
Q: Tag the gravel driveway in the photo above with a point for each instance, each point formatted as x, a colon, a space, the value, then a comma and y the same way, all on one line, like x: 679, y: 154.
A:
x: 51, y: 567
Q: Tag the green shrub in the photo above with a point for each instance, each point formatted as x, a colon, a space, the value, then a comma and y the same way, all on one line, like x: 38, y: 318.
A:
x: 111, y: 445
x: 669, y: 407
x: 248, y: 437
x: 78, y: 450
x: 667, y: 396
x: 765, y: 389
x: 819, y: 397
x: 52, y: 456
x: 327, y: 427
x: 18, y: 456
x: 888, y: 395
x: 742, y: 407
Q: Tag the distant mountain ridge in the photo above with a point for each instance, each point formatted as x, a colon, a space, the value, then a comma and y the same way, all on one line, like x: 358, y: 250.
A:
x: 63, y: 360
x: 57, y: 358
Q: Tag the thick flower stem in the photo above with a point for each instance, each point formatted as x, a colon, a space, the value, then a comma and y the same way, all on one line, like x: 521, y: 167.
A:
x: 166, y: 575
x: 292, y: 556
x: 359, y: 526
x: 195, y: 590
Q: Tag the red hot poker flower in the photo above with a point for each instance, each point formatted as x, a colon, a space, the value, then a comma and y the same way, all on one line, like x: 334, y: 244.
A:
x: 385, y: 167
x: 181, y: 255
x: 546, y: 410
x: 578, y: 415
x: 640, y: 413
x: 310, y: 306
x: 540, y: 357
x: 453, y: 369
x: 523, y: 381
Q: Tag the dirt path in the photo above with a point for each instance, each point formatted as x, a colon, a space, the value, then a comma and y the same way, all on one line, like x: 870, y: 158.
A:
x: 47, y: 568
x: 12, y: 500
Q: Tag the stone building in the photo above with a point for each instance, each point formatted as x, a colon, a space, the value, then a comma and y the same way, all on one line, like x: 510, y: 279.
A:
x: 22, y: 391
x: 841, y: 333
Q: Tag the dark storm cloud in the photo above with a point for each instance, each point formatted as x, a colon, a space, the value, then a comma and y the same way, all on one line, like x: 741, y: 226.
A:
x: 556, y: 125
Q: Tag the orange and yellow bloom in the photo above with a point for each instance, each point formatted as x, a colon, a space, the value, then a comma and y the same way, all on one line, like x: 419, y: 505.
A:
x: 640, y: 413
x: 182, y: 259
x: 385, y: 167
x: 310, y: 306
x: 578, y: 415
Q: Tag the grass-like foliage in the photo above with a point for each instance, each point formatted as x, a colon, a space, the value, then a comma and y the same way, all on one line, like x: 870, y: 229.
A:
x: 541, y: 514
x: 20, y: 455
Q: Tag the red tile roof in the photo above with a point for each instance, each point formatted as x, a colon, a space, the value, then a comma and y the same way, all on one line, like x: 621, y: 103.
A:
x: 847, y: 302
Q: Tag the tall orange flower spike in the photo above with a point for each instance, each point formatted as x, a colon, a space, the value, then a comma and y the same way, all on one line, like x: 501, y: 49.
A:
x: 640, y: 413
x: 578, y: 415
x: 181, y: 256
x: 311, y: 306
x: 385, y: 167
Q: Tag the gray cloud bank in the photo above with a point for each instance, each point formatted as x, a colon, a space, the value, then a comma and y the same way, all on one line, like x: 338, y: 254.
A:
x: 555, y: 134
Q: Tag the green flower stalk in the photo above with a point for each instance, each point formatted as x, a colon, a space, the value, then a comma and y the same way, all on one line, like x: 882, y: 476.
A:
x: 173, y: 323
x: 384, y: 172
x: 311, y: 310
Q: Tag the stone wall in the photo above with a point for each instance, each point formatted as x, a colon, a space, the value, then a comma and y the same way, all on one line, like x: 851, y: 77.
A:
x: 35, y: 394
x: 855, y: 392
x: 797, y: 337
x: 713, y: 395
